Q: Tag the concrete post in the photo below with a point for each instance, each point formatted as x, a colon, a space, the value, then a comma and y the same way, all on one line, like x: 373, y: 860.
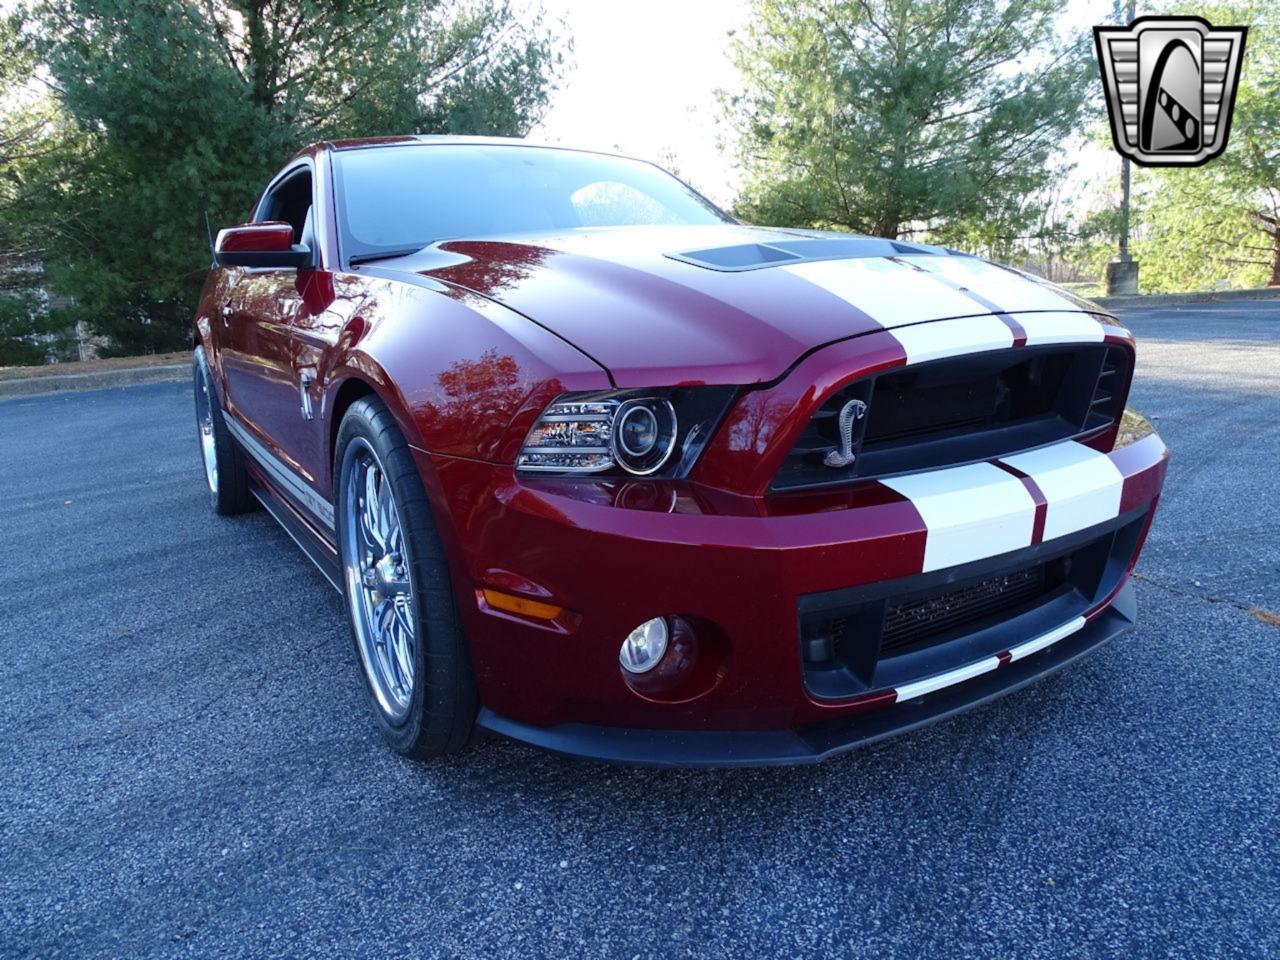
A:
x: 1122, y: 278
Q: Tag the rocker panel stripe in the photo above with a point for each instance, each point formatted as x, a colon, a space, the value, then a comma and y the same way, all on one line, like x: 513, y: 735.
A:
x: 286, y: 476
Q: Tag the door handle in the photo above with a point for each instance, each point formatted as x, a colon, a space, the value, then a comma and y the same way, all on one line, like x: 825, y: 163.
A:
x: 305, y: 379
x: 227, y: 310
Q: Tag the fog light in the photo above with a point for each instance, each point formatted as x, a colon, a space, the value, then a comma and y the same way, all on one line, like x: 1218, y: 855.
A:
x: 644, y: 646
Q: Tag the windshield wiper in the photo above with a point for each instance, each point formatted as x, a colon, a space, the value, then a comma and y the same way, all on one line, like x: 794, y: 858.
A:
x: 384, y: 255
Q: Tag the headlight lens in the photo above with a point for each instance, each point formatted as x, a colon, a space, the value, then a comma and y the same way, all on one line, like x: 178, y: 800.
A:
x: 638, y: 429
x: 631, y: 432
x: 644, y: 434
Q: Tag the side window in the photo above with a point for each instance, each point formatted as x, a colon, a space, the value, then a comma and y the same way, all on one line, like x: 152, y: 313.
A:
x: 290, y: 201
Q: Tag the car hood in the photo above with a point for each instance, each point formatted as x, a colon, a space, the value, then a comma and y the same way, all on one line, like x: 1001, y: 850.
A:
x: 723, y: 304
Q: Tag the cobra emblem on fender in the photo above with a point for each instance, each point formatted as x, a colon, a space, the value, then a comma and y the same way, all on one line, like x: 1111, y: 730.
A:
x: 843, y: 456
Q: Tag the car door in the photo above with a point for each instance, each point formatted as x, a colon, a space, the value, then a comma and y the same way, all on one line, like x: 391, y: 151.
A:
x: 259, y: 314
x: 329, y: 302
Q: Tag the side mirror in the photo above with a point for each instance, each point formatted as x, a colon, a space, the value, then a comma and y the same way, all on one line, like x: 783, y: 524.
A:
x: 260, y: 245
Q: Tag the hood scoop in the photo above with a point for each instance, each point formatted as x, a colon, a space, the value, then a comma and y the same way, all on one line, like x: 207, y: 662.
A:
x: 756, y: 256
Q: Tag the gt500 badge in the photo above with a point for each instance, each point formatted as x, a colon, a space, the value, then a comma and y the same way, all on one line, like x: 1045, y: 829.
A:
x: 1170, y: 84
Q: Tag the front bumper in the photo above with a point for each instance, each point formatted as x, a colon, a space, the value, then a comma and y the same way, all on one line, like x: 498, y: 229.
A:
x: 819, y: 741
x: 616, y: 554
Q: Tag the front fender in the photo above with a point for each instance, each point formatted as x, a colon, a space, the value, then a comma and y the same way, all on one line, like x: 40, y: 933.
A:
x: 456, y: 370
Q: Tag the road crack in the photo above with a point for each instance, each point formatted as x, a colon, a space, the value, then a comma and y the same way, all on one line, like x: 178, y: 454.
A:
x: 1258, y: 613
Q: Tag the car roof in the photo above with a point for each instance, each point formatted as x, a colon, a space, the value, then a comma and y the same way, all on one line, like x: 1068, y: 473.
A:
x: 364, y: 143
x: 360, y: 143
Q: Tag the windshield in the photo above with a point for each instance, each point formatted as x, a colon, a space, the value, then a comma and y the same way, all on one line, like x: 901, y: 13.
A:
x: 402, y: 198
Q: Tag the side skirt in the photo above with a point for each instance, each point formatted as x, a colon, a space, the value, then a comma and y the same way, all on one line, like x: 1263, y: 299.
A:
x: 277, y: 486
x: 320, y: 552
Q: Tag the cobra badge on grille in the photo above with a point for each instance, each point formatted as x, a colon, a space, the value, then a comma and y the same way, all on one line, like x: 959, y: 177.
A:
x: 843, y: 455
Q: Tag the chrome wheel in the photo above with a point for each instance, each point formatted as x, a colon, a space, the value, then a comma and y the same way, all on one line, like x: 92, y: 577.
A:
x: 204, y: 422
x: 376, y: 567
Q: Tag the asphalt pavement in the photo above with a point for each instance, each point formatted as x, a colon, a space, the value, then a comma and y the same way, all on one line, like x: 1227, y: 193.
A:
x: 188, y: 768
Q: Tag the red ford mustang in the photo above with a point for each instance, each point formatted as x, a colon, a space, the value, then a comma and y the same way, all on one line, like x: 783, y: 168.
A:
x: 600, y: 469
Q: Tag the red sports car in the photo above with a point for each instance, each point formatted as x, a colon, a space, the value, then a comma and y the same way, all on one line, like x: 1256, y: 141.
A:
x: 599, y: 468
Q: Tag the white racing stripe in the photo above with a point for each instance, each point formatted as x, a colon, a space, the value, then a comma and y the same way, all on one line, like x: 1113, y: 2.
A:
x: 952, y: 338
x: 899, y: 297
x: 1046, y: 640
x: 919, y: 688
x: 891, y: 293
x: 1008, y: 290
x: 970, y: 512
x: 1060, y: 327
x: 979, y: 510
x: 1081, y: 486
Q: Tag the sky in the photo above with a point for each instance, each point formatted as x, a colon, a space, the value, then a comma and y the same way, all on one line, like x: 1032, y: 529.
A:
x: 644, y: 75
x: 643, y: 81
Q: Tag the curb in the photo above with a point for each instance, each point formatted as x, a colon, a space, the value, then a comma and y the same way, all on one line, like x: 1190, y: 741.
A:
x: 62, y: 383
x: 1206, y: 296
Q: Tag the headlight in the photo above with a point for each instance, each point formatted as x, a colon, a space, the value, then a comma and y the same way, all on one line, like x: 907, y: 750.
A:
x: 636, y: 432
x: 644, y: 434
x: 571, y: 436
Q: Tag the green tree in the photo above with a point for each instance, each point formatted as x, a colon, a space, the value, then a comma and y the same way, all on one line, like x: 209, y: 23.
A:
x: 186, y: 106
x: 23, y: 320
x: 23, y: 125
x: 889, y: 116
x: 1220, y: 224
x: 32, y: 131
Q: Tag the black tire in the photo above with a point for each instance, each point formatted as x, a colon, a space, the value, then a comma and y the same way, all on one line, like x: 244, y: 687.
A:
x: 229, y: 484
x: 442, y: 706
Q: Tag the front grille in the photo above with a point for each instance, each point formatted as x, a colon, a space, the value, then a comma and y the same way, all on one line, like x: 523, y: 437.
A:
x: 906, y: 624
x: 961, y: 409
x: 920, y: 619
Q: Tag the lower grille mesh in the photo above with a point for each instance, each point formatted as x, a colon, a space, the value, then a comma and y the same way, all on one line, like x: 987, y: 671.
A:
x: 907, y: 623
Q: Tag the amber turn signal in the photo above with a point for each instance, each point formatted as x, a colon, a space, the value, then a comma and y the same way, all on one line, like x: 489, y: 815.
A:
x: 520, y: 605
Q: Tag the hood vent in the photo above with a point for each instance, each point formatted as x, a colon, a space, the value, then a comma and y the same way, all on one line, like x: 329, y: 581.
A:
x: 744, y: 256
x: 756, y: 256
